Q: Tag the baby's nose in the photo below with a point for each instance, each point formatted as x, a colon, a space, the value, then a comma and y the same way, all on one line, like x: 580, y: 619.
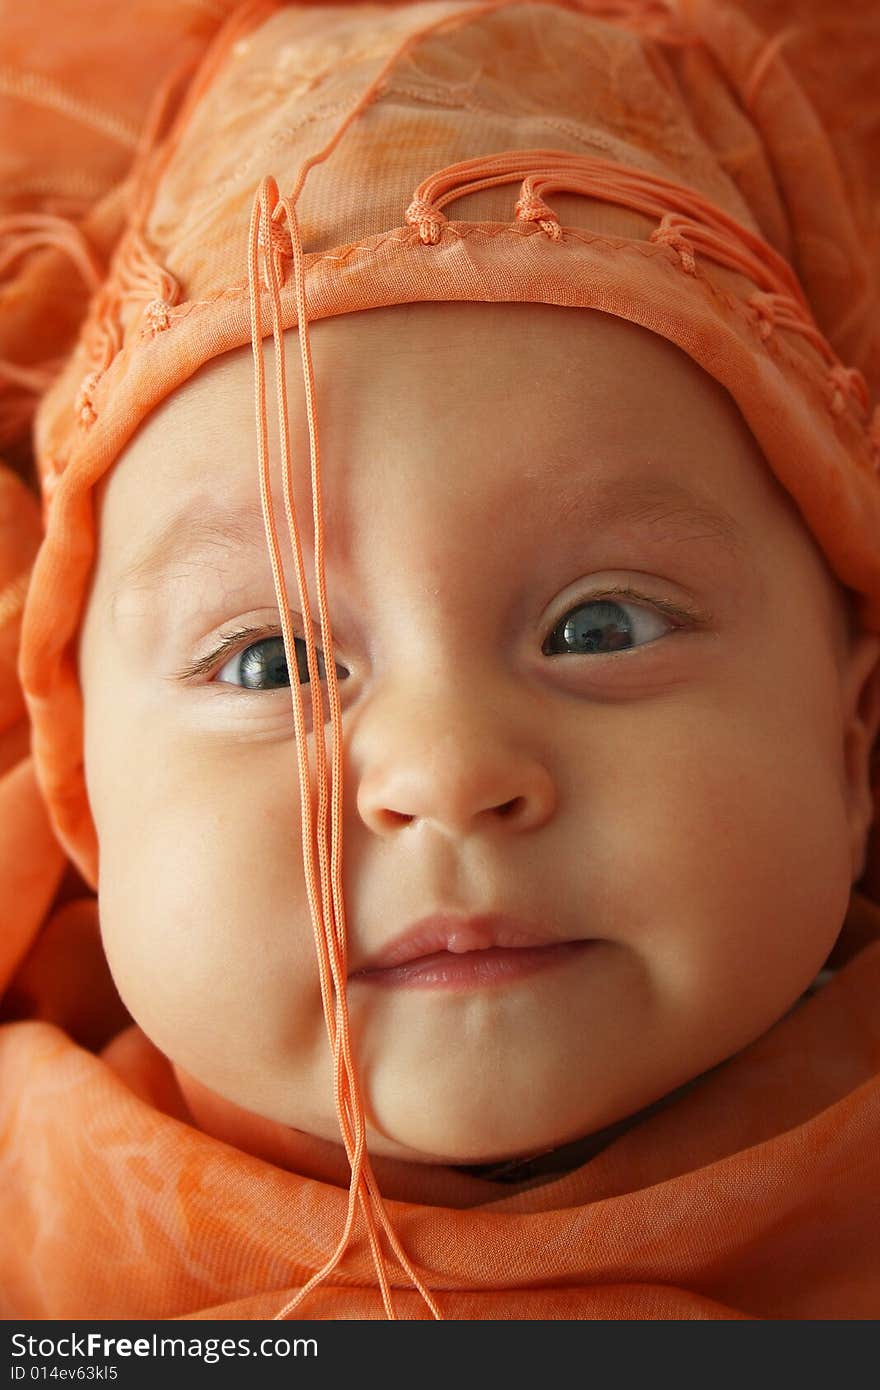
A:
x: 460, y: 772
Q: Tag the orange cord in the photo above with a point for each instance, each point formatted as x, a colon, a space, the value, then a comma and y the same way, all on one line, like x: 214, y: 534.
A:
x: 326, y: 902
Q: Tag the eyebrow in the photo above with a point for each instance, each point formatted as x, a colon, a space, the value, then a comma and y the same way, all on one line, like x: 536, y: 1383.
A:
x: 656, y: 502
x: 191, y: 534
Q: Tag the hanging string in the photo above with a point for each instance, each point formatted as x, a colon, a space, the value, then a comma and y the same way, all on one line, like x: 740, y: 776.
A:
x: 350, y: 1117
x: 324, y: 889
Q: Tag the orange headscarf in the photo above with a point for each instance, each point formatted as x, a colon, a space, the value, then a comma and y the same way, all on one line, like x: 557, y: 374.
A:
x: 660, y: 162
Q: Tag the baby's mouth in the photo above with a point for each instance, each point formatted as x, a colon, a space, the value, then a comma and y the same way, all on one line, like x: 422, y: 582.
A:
x: 442, y: 951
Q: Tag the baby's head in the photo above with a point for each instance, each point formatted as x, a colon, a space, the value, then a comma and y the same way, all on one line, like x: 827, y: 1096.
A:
x: 595, y: 675
x: 596, y: 466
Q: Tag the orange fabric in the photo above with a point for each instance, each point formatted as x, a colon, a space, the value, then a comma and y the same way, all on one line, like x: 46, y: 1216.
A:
x: 675, y: 174
x: 75, y: 97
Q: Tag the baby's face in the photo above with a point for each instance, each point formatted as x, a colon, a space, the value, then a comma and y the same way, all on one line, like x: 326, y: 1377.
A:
x: 592, y: 674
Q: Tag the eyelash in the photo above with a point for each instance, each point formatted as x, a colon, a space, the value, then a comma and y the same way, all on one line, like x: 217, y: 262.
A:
x: 249, y: 635
x: 226, y: 648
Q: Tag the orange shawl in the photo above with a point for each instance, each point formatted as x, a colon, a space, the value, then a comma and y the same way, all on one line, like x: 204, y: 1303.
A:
x: 754, y: 1193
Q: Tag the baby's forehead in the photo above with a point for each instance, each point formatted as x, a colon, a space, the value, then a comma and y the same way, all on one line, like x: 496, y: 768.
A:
x: 534, y: 397
x: 511, y: 383
x: 500, y: 412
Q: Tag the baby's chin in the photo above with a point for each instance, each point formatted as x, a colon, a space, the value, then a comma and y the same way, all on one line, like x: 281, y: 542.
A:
x: 486, y: 1117
x: 554, y: 1127
x: 312, y: 1144
x: 468, y: 1136
x: 450, y: 1144
x: 529, y: 1155
x: 417, y: 1117
x: 490, y: 1134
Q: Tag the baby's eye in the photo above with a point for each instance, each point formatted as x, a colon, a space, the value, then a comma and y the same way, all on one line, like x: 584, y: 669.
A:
x: 263, y: 665
x: 603, y: 625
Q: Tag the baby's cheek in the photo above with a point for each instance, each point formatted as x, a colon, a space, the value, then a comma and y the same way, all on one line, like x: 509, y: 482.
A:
x: 750, y: 864
x: 205, y: 921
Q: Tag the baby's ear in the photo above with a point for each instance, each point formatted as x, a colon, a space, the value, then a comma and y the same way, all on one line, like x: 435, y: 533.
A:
x: 861, y: 711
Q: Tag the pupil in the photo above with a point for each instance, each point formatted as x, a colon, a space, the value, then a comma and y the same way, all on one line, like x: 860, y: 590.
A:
x: 598, y: 625
x: 265, y: 663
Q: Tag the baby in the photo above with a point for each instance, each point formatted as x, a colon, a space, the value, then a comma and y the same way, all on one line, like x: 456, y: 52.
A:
x: 598, y: 540
x: 595, y: 679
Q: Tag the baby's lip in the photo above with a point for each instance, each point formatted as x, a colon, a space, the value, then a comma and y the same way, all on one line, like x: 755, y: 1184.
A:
x: 446, y: 932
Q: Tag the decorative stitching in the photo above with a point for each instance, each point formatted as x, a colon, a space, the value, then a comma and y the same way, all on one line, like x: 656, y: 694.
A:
x: 765, y: 317
x: 669, y: 235
x: 83, y: 406
x: 529, y: 207
x: 137, y: 275
x: 157, y: 315
x: 847, y: 383
x: 430, y: 221
x: 281, y: 246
